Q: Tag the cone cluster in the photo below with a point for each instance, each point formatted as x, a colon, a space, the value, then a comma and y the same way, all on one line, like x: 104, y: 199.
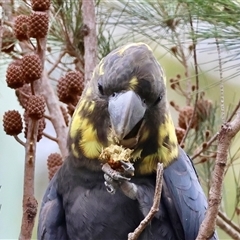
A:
x: 187, y: 115
x: 23, y: 71
x: 35, y: 25
x: 54, y: 162
x: 70, y: 87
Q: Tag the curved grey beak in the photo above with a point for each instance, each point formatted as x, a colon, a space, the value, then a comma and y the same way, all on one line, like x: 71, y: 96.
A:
x: 126, y: 110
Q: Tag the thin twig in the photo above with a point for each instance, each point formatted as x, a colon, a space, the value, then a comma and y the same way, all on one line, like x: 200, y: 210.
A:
x: 155, y: 207
x: 19, y: 140
x: 228, y: 221
x: 214, y: 137
x: 56, y: 63
x: 90, y: 37
x: 50, y: 137
x: 228, y: 229
x: 228, y: 131
x: 47, y: 117
x: 196, y: 78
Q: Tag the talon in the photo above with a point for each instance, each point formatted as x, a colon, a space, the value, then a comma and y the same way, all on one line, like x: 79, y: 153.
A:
x: 113, y: 173
x: 128, y: 168
x: 110, y: 188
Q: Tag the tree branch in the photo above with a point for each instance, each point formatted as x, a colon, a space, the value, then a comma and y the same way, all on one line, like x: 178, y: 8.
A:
x: 44, y: 88
x: 155, y: 207
x: 90, y: 38
x: 228, y: 229
x: 29, y: 202
x: 228, y: 131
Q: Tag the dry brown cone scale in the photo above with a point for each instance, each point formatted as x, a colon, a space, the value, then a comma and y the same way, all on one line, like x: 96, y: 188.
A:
x: 36, y: 107
x: 12, y: 122
x: 54, y: 162
x: 21, y: 27
x: 70, y: 87
x: 31, y: 67
x: 40, y: 5
x: 180, y: 133
x: 185, y: 116
x: 38, y: 24
x: 14, y: 76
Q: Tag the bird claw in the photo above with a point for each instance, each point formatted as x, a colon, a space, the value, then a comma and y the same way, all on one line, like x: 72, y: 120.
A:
x: 115, y: 175
x: 128, y: 168
x: 110, y: 188
x: 114, y: 178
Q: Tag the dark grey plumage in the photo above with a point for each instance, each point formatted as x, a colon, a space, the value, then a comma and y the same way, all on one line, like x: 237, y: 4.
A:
x: 76, y: 204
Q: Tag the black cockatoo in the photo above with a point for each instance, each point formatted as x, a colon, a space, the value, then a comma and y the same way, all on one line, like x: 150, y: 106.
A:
x: 124, y: 104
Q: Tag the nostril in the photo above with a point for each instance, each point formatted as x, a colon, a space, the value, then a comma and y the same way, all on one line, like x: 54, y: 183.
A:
x: 114, y: 94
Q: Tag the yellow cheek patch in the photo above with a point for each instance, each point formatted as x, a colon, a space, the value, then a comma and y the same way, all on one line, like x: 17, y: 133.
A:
x: 89, y: 142
x: 133, y: 83
x: 74, y: 128
x: 167, y: 150
x: 148, y: 165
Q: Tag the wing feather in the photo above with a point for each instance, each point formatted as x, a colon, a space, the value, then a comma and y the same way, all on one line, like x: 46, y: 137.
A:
x: 187, y: 194
x: 51, y: 223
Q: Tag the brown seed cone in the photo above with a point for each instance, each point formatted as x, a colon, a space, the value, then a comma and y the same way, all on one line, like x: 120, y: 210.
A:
x: 23, y: 95
x: 14, y: 76
x: 180, y: 132
x: 40, y: 5
x: 65, y: 115
x: 184, y: 118
x: 54, y: 159
x: 36, y: 107
x: 12, y: 122
x: 75, y: 82
x: 63, y: 92
x: 71, y: 109
x: 204, y: 109
x: 54, y: 162
x: 31, y: 67
x: 52, y: 171
x: 8, y: 40
x: 21, y: 27
x: 41, y: 126
x: 38, y: 25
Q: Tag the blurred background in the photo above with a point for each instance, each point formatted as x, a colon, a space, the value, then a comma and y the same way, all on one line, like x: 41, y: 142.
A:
x: 176, y: 31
